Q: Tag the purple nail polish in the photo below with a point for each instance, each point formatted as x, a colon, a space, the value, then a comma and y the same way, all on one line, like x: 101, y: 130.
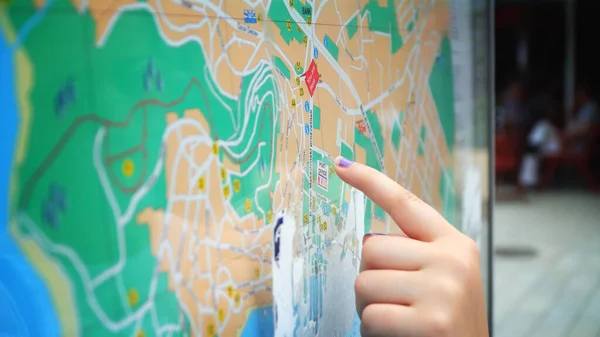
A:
x: 368, y: 235
x: 345, y: 162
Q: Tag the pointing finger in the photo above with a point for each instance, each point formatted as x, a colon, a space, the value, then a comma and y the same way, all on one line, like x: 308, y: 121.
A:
x: 414, y: 217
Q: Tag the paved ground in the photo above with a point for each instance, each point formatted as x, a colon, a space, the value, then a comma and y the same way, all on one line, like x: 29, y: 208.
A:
x: 556, y: 291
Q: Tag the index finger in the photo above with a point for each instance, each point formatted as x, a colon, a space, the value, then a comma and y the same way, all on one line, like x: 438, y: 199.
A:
x: 415, y: 218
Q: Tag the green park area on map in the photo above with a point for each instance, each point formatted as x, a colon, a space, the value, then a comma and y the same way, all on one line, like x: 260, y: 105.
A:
x: 158, y: 143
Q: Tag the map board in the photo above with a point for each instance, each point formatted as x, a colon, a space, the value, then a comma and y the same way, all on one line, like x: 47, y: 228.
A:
x: 167, y: 165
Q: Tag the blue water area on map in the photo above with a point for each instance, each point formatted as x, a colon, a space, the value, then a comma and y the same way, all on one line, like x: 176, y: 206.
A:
x: 316, y: 300
x: 260, y: 323
x: 315, y: 288
x: 25, y: 305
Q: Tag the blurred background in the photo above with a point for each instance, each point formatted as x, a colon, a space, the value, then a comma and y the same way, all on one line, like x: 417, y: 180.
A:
x: 547, y: 151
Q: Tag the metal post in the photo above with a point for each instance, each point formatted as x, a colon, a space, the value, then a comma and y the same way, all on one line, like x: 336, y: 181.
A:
x: 491, y: 100
x: 570, y: 38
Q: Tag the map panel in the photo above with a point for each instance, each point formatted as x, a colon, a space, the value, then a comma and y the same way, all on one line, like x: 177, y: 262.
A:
x: 167, y: 165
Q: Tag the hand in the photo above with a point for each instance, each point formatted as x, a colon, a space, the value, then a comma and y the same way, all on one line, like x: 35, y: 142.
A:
x: 424, y: 282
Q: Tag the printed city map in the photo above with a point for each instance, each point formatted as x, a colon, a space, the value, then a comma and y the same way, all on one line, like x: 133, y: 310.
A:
x: 151, y: 147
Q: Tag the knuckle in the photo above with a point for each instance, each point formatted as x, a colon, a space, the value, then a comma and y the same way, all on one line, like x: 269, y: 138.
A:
x: 472, y: 248
x: 439, y: 323
x: 376, y: 321
x: 361, y: 285
x: 450, y: 289
x: 369, y: 321
x: 408, y: 197
x: 466, y: 260
x: 462, y: 265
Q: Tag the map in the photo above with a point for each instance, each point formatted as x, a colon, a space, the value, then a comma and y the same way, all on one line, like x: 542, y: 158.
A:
x: 167, y: 165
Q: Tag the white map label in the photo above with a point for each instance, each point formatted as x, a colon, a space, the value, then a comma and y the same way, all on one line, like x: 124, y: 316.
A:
x: 322, y: 175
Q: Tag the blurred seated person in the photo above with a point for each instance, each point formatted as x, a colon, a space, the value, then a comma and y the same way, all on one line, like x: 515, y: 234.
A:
x: 512, y: 112
x: 545, y: 139
x: 541, y: 105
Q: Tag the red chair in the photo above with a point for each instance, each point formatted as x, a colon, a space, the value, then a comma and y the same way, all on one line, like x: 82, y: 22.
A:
x: 508, y: 154
x: 578, y: 160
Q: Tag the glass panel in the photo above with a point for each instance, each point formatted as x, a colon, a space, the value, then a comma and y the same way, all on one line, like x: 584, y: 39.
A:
x: 167, y: 166
x: 472, y: 80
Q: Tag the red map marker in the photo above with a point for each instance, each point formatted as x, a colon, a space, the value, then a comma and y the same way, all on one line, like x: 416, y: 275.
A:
x: 312, y: 77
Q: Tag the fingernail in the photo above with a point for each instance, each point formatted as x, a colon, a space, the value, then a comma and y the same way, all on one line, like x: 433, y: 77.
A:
x: 370, y: 235
x: 343, y: 162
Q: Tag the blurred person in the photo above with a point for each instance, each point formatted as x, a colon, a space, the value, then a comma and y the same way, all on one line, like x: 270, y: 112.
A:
x: 545, y: 139
x: 542, y: 104
x: 513, y: 110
